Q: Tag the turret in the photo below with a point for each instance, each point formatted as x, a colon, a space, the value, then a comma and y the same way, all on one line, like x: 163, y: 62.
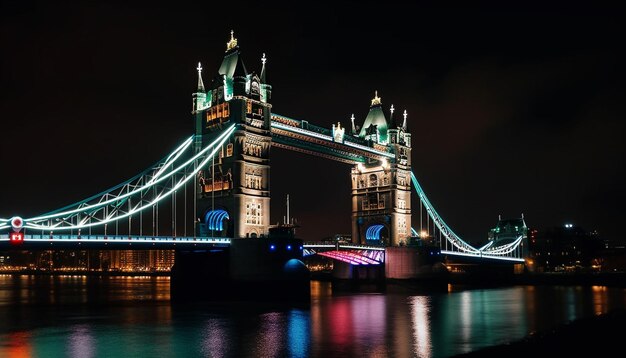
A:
x: 266, y: 89
x: 199, y: 97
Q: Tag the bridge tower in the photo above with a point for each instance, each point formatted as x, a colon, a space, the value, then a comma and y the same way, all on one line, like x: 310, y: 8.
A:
x: 381, y: 189
x: 233, y: 191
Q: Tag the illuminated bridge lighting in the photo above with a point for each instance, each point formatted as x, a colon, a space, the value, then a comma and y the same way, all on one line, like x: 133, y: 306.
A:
x: 350, y: 257
x: 373, y: 232
x: 214, y: 219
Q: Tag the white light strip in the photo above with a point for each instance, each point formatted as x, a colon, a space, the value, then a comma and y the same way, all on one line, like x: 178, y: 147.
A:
x: 85, y: 208
x: 179, y: 151
x: 317, y: 245
x: 486, y: 246
x: 124, y: 239
x: 330, y: 139
x: 223, y: 137
x: 504, y: 258
x: 368, y: 149
x: 373, y: 248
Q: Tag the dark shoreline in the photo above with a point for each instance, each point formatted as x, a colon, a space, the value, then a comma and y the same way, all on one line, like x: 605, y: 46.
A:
x: 591, y: 336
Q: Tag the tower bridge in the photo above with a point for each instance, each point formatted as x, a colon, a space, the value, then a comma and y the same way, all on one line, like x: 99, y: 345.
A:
x: 214, y: 188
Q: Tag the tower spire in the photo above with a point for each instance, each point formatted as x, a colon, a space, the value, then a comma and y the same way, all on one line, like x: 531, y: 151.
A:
x: 376, y: 100
x: 404, y: 122
x: 233, y: 41
x: 200, y: 83
x: 353, y: 126
x: 263, y: 60
x: 392, y: 109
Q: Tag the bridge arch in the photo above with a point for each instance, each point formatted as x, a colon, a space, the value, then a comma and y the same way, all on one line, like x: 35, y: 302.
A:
x: 376, y: 234
x: 217, y: 221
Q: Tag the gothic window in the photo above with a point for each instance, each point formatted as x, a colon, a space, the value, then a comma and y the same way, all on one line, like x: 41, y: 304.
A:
x: 385, y: 180
x: 229, y: 149
x: 401, y: 226
x: 254, y: 181
x: 373, y: 201
x: 401, y: 204
x: 373, y: 180
x: 381, y: 201
x: 253, y: 214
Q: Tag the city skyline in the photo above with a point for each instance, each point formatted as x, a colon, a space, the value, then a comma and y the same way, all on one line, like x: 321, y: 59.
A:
x: 522, y: 120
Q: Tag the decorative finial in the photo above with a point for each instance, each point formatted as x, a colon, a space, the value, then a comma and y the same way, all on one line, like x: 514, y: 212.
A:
x: 200, y: 83
x: 404, y: 122
x: 233, y: 41
x: 263, y: 59
x: 353, y: 126
x: 376, y: 99
x: 392, y: 109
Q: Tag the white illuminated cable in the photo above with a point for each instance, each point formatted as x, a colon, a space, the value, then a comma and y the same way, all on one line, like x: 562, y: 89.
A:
x: 149, y: 204
x: 505, y: 249
x: 177, y: 153
x: 443, y: 227
x: 143, y: 188
x: 123, y: 184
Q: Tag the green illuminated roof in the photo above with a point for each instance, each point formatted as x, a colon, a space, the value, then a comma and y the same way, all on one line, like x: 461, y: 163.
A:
x: 232, y: 65
x: 377, y: 118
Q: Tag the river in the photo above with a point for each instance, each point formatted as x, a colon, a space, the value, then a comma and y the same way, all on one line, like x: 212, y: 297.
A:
x: 80, y: 316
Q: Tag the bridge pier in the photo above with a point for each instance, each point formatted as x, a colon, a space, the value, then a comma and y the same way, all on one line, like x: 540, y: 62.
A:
x: 264, y: 269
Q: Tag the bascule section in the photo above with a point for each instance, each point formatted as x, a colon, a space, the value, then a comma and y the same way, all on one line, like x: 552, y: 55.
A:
x: 233, y: 190
x: 381, y: 189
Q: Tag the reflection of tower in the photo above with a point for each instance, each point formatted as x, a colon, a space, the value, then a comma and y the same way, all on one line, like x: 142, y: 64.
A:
x: 234, y: 198
x: 381, y: 190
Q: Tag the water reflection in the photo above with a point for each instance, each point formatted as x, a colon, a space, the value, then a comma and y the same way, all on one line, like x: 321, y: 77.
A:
x: 421, y: 325
x: 93, y: 317
x: 81, y: 342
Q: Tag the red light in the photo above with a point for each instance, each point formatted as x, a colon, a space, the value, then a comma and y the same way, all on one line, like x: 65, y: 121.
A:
x: 16, y: 237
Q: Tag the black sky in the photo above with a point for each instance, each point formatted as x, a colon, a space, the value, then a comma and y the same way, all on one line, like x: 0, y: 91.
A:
x: 512, y: 110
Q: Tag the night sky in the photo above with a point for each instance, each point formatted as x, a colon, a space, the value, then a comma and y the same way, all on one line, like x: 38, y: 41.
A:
x: 511, y: 110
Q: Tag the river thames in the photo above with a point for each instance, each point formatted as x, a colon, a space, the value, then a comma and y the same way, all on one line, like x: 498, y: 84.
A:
x: 79, y: 316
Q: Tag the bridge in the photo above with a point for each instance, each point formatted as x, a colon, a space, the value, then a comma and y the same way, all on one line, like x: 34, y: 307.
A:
x: 215, y: 186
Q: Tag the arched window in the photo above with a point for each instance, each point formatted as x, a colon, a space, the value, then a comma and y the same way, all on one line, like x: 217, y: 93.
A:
x: 373, y: 180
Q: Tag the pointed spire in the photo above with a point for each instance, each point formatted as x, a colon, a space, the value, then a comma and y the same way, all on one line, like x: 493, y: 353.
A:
x: 200, y: 83
x: 404, y: 122
x: 353, y: 126
x: 391, y: 110
x: 376, y: 99
x: 233, y: 41
x: 263, y: 60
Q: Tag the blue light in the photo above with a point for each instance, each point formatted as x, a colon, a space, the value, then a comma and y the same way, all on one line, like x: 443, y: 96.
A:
x: 214, y: 219
x: 300, y: 247
x: 272, y: 247
x: 373, y: 232
x: 288, y: 247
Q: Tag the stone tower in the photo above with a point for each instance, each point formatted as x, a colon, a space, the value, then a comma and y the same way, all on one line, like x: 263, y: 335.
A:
x: 381, y: 190
x: 233, y: 190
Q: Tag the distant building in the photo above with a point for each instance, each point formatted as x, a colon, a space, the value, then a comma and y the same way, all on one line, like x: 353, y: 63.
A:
x: 565, y: 248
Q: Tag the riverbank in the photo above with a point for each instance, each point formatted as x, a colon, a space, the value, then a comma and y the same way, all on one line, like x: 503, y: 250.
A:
x: 598, y: 335
x: 86, y: 273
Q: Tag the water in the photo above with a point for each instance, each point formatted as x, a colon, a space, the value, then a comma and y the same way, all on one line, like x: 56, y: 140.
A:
x: 42, y: 316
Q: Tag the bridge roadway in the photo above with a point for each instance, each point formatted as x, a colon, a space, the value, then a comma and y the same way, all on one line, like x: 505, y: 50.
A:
x: 134, y: 242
